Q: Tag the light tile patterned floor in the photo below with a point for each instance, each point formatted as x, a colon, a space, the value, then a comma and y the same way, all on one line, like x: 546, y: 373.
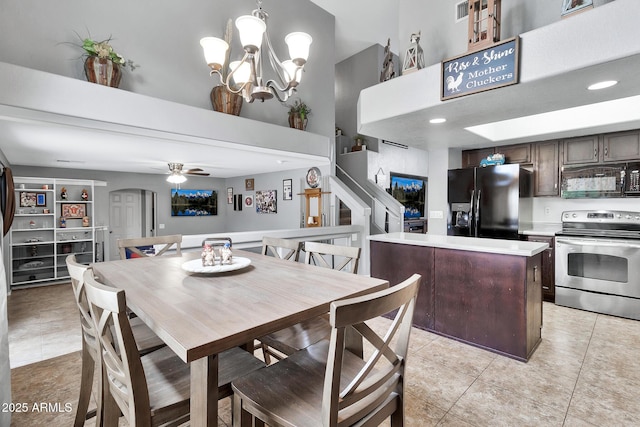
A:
x: 586, y: 371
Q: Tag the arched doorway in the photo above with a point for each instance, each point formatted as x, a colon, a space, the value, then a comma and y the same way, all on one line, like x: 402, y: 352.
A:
x: 132, y: 213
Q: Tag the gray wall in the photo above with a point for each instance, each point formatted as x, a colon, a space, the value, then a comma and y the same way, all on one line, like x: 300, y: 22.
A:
x: 288, y: 215
x: 163, y: 38
x: 358, y: 72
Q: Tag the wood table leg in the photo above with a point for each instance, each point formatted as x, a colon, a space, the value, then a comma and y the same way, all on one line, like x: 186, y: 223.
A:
x: 204, y: 391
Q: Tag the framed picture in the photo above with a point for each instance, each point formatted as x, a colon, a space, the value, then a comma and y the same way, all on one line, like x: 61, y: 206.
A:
x: 237, y: 202
x: 248, y: 184
x: 27, y: 200
x: 41, y: 199
x: 229, y: 195
x: 74, y: 210
x: 287, y: 189
x: 267, y: 201
x: 248, y: 201
x: 570, y: 6
x: 194, y: 202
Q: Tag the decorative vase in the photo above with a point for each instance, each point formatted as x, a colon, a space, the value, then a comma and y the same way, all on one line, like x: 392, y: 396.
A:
x: 102, y: 71
x: 297, y: 122
x: 225, y: 101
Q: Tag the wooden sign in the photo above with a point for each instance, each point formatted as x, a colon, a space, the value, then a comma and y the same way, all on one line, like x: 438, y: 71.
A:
x: 489, y: 68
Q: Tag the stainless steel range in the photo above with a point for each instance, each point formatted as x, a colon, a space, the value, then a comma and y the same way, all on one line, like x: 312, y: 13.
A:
x: 598, y: 262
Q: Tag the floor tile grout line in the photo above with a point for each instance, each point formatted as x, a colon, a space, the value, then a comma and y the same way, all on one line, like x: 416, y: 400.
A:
x: 580, y: 370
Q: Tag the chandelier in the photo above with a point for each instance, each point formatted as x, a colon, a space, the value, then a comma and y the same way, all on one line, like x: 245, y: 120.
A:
x: 245, y: 77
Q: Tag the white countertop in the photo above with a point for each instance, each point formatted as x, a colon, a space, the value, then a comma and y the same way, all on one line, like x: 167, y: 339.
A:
x: 541, y: 229
x: 496, y: 246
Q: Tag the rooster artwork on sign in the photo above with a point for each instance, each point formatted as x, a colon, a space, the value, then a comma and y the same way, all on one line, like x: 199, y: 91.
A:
x: 453, y: 85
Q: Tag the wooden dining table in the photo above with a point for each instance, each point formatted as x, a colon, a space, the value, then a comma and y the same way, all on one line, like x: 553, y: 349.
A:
x: 201, y: 315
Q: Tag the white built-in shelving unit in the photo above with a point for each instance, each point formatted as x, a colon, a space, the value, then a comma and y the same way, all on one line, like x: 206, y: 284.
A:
x: 48, y: 227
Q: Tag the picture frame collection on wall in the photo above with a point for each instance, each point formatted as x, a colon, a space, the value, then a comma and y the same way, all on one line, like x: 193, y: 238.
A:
x: 186, y: 202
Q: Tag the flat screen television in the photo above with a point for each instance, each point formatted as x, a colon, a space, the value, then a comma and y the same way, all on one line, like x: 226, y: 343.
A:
x: 410, y: 190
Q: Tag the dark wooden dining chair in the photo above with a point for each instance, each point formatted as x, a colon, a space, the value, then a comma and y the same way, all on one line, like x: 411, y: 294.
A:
x: 288, y: 249
x: 287, y: 341
x: 153, y: 389
x: 133, y: 245
x: 146, y: 342
x: 326, y: 385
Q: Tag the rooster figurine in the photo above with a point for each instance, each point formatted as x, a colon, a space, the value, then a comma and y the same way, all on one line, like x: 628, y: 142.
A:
x: 453, y: 84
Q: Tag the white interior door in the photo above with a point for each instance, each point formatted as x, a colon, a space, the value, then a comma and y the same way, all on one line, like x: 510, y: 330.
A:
x: 125, y: 217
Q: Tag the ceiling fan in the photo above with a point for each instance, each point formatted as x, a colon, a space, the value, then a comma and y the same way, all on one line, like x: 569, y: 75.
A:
x: 177, y: 175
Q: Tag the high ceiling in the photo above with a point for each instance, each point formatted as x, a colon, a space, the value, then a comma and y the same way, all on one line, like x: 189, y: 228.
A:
x: 358, y: 24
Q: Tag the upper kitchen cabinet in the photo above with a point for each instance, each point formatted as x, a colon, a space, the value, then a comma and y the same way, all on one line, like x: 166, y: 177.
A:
x: 582, y: 150
x: 622, y: 146
x: 520, y: 153
x: 545, y: 169
x: 611, y: 147
x: 471, y: 158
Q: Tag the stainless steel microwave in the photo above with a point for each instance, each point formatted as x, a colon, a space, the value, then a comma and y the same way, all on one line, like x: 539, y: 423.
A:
x: 593, y: 181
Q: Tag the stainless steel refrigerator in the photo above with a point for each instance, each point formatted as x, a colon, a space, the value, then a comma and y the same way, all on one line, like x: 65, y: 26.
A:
x: 490, y: 201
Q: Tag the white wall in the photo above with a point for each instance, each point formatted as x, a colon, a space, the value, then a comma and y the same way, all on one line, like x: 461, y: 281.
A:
x: 163, y: 39
x: 557, y: 205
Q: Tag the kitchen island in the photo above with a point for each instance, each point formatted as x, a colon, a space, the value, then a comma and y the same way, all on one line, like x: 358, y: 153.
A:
x: 485, y: 292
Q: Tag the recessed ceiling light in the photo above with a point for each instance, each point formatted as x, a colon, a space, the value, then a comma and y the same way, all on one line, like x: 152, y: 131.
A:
x: 602, y: 85
x: 437, y: 120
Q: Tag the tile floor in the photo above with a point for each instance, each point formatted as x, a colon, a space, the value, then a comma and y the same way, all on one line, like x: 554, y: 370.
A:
x: 586, y: 371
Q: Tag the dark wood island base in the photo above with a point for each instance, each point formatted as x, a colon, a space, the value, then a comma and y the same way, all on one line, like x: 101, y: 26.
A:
x: 489, y: 300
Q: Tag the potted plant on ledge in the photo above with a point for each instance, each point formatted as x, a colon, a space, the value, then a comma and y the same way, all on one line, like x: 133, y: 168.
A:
x: 102, y: 64
x: 298, y: 114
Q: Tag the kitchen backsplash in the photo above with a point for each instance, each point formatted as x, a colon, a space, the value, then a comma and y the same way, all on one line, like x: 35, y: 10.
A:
x: 549, y: 209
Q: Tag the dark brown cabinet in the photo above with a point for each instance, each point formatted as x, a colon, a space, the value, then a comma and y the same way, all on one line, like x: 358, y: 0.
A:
x: 493, y: 301
x: 620, y: 147
x: 611, y: 147
x: 548, y: 267
x: 471, y: 158
x: 583, y: 150
x: 520, y: 153
x: 548, y: 157
x: 396, y: 262
x: 546, y: 169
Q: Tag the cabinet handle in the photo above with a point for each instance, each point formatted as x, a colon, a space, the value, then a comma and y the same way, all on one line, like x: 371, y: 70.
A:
x: 535, y: 273
x: 606, y: 151
x: 546, y: 288
x: 595, y: 153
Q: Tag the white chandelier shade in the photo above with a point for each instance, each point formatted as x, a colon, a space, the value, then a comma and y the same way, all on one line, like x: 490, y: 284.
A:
x: 245, y: 76
x: 251, y: 31
x: 215, y: 50
x: 299, y: 44
x: 241, y: 72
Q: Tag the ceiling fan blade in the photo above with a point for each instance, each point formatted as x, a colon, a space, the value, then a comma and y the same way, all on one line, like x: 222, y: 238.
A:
x: 197, y: 173
x: 194, y: 170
